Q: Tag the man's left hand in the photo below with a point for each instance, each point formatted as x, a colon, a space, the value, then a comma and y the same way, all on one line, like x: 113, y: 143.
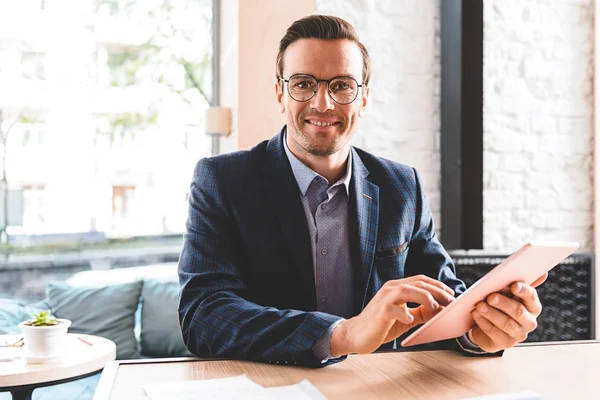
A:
x: 504, y: 321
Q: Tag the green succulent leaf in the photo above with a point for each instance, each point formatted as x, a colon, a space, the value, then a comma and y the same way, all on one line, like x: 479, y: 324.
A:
x: 43, y: 318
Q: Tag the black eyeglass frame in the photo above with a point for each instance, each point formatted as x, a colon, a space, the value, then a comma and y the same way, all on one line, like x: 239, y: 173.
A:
x: 328, y: 81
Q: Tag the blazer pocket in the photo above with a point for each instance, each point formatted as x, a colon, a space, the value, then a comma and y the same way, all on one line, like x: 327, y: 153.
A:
x: 392, y: 251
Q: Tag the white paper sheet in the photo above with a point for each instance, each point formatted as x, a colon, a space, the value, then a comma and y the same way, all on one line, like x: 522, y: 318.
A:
x: 230, y: 388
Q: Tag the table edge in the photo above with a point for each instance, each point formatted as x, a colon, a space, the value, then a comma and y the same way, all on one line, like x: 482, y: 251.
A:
x: 38, y: 385
x: 105, y: 385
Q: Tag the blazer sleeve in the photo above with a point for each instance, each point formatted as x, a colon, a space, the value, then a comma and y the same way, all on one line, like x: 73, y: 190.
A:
x: 216, y: 318
x: 427, y: 256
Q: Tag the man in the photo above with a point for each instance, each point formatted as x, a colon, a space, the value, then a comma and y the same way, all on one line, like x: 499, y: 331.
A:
x: 304, y: 249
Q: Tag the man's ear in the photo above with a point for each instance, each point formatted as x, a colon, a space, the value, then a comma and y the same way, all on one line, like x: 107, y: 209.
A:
x: 364, y: 100
x: 279, y: 95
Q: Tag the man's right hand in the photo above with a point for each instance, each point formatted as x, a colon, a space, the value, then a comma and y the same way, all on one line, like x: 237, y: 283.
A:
x: 387, y: 316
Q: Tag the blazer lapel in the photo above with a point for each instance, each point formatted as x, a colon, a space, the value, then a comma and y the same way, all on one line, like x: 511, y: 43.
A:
x: 364, y: 218
x: 284, y: 196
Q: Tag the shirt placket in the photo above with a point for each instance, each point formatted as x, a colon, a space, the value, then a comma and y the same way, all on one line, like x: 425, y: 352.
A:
x: 323, y: 221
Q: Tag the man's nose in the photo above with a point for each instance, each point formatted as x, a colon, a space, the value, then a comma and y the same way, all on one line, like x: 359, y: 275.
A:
x: 321, y: 100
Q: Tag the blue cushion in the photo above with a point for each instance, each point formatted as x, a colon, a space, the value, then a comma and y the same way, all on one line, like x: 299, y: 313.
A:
x: 12, y: 313
x: 161, y: 332
x: 107, y: 311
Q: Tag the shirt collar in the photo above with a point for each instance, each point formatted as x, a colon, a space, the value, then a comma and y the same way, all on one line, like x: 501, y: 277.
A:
x: 304, y: 175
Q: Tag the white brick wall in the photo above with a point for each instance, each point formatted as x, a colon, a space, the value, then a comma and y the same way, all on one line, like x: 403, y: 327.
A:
x: 402, y: 122
x: 538, y: 109
x: 538, y: 104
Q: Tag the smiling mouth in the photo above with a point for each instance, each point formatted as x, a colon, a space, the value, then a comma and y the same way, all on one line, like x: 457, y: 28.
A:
x: 321, y: 124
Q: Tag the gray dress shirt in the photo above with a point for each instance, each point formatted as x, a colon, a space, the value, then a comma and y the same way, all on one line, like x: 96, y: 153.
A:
x: 326, y: 211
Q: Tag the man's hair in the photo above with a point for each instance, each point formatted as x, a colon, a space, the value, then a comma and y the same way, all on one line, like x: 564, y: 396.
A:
x: 323, y: 27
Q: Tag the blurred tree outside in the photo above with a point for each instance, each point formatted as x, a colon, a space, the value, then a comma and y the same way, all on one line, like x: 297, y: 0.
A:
x: 176, y: 55
x: 123, y: 127
x: 183, y: 38
x: 171, y: 65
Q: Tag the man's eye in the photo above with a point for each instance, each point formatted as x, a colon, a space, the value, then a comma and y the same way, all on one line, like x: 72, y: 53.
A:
x: 305, y: 85
x: 340, y: 86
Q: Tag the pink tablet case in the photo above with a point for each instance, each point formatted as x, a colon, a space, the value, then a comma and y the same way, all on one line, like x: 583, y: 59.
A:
x: 526, y: 265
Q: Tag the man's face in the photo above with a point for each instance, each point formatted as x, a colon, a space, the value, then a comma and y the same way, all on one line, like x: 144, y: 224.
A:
x: 323, y: 59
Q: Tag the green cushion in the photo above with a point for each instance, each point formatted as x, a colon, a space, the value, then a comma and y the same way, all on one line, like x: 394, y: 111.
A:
x: 161, y: 332
x: 107, y: 311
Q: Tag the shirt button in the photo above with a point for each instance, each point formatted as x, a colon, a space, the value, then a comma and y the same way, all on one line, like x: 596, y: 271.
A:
x: 323, y: 207
x: 323, y: 251
x: 322, y: 300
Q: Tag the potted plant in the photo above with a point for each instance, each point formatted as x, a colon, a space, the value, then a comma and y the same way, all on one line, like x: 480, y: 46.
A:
x: 44, y: 335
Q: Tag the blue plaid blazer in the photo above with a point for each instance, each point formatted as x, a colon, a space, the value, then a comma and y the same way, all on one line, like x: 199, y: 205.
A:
x: 246, y: 273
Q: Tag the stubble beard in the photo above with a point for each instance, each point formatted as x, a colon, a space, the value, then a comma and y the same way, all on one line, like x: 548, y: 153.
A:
x: 305, y: 141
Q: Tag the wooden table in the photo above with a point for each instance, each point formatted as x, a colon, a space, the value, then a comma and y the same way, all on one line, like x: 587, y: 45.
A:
x: 561, y: 370
x: 79, y: 360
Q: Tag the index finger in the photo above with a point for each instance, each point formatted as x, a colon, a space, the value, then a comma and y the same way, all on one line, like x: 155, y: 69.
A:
x: 431, y: 281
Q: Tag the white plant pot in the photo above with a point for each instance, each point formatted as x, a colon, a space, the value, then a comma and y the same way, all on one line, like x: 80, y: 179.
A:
x: 45, y: 341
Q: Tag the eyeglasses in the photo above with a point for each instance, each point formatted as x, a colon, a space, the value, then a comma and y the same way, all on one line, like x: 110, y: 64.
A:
x: 341, y: 89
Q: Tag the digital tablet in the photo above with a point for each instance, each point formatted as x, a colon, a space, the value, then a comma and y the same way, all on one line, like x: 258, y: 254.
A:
x: 526, y: 265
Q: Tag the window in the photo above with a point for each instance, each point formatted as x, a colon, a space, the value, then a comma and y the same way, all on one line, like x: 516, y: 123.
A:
x: 32, y: 66
x: 32, y: 135
x: 33, y: 207
x: 122, y: 68
x: 123, y: 130
x: 116, y: 8
x: 122, y: 201
x: 96, y: 149
x: 10, y: 61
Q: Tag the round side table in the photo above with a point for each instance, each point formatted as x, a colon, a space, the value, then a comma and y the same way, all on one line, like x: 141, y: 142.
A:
x: 84, y: 355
